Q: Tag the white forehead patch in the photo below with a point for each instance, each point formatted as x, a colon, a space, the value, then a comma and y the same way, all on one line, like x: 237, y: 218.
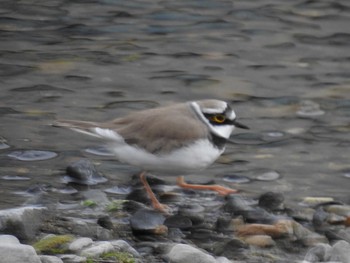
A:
x: 219, y: 108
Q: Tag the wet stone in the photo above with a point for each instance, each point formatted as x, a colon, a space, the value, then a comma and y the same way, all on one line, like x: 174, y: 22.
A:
x: 178, y: 221
x: 83, y: 172
x: 268, y: 176
x: 236, y: 204
x: 105, y: 222
x: 145, y: 220
x: 271, y: 201
x: 194, y: 212
x: 32, y: 155
x: 181, y: 253
x: 309, y: 108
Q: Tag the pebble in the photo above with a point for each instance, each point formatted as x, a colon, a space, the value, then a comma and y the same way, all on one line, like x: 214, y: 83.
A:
x: 12, y: 251
x: 80, y: 243
x: 319, y: 253
x: 182, y: 253
x: 83, y: 172
x: 50, y: 259
x: 121, y: 245
x: 341, y: 210
x: 313, y: 201
x: 339, y: 252
x: 23, y: 222
x: 178, y: 221
x: 268, y: 176
x: 260, y: 241
x: 308, y: 108
x: 70, y: 258
x: 97, y: 249
x: 150, y: 221
x: 271, y: 201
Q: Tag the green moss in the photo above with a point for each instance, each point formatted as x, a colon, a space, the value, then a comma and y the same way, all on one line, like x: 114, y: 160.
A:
x: 115, y: 205
x: 120, y: 257
x: 53, y: 245
x: 89, y: 203
x: 116, y: 257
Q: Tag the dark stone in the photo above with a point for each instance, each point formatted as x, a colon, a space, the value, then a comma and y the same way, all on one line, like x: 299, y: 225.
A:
x: 178, y: 221
x: 271, y: 201
x: 83, y: 172
x: 105, y: 222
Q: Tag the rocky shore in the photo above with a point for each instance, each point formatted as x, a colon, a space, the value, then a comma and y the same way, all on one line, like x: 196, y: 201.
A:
x: 202, y: 227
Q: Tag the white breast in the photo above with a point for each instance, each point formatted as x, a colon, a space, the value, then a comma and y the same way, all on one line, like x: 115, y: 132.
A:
x: 196, y: 156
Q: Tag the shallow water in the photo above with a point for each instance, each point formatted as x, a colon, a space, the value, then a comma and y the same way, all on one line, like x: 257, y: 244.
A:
x: 284, y: 65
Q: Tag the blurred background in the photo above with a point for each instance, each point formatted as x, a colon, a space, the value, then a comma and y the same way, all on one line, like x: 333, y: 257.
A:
x: 283, y: 65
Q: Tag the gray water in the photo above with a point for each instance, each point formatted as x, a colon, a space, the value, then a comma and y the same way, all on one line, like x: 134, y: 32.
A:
x: 283, y: 65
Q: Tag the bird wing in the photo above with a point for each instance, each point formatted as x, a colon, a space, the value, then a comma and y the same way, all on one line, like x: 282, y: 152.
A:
x: 161, y: 130
x: 155, y: 130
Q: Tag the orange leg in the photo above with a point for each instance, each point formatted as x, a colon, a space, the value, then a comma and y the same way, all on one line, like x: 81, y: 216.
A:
x: 218, y: 188
x: 155, y: 203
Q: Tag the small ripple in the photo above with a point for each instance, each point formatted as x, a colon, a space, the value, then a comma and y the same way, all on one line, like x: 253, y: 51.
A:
x: 15, y: 178
x: 32, y: 155
x: 237, y: 179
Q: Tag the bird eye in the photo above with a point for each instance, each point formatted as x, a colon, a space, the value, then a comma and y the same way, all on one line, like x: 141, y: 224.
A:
x: 219, y: 118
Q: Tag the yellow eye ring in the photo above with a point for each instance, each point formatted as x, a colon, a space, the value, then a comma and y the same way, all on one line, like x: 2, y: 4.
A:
x: 219, y: 118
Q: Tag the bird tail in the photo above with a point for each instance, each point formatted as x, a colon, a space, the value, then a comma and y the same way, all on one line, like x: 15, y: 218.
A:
x: 90, y: 128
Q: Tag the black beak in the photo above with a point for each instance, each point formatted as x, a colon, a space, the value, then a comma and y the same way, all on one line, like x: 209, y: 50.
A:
x: 240, y: 125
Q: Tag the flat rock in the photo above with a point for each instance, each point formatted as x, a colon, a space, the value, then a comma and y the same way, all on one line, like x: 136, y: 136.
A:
x: 341, y: 252
x: 21, y: 222
x: 50, y: 259
x: 182, y: 253
x: 70, y: 258
x: 12, y: 251
x: 97, y: 249
x: 80, y: 243
x: 123, y: 246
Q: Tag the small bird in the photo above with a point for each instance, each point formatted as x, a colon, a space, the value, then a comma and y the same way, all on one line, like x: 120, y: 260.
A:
x: 181, y: 137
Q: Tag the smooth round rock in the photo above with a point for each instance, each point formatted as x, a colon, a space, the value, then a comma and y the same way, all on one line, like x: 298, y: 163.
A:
x: 271, y: 201
x: 178, y: 221
x: 83, y: 172
x: 146, y: 220
x: 80, y: 243
x: 182, y: 253
x: 309, y: 108
x: 32, y: 155
x: 260, y: 240
x: 268, y: 176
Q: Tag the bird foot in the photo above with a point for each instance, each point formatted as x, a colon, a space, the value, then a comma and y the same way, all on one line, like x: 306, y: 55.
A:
x: 217, y: 188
